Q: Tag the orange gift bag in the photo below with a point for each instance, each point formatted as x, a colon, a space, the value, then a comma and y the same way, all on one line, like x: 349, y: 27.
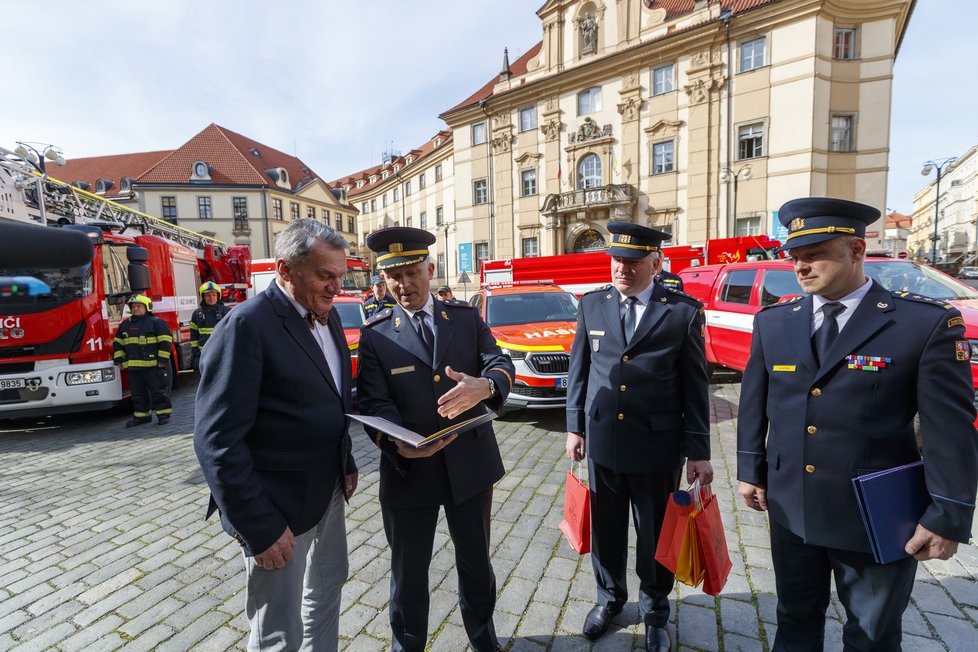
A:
x: 674, y: 528
x: 576, y: 525
x: 712, y: 545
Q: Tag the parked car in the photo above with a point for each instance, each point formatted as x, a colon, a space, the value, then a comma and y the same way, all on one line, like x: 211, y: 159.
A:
x: 968, y: 272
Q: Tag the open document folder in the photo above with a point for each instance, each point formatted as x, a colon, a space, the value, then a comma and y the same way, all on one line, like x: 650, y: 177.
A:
x: 414, y: 439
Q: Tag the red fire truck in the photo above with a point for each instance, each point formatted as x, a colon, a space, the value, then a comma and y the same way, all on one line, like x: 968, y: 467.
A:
x: 580, y: 273
x: 355, y: 283
x: 57, y: 355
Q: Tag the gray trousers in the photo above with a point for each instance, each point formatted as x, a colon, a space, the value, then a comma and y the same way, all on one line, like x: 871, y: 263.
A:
x: 297, y: 607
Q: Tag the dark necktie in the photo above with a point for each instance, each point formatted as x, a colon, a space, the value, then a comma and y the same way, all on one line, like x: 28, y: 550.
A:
x: 829, y: 330
x: 628, y: 321
x: 312, y: 319
x: 427, y: 337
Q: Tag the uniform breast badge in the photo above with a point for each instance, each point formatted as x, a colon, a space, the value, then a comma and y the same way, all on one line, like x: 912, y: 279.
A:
x: 595, y: 344
x: 868, y: 362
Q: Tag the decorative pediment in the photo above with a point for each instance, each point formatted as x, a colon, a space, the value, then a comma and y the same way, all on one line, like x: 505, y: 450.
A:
x: 551, y: 129
x: 527, y: 157
x: 589, y: 130
x: 664, y: 128
x: 502, y: 143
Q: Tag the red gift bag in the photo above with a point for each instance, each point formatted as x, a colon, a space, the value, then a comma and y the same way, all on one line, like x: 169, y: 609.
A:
x: 576, y: 525
x: 713, y: 546
x: 674, y: 527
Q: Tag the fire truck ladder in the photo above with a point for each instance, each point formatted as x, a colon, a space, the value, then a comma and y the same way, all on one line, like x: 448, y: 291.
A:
x: 64, y: 203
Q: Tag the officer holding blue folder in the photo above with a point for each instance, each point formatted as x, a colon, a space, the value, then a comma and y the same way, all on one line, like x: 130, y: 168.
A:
x: 830, y: 392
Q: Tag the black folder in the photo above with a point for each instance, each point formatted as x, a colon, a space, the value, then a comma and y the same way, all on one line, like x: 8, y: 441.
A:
x: 891, y: 503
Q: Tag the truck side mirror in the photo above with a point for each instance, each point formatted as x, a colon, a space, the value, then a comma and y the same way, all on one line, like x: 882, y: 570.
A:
x: 138, y: 277
x: 137, y: 254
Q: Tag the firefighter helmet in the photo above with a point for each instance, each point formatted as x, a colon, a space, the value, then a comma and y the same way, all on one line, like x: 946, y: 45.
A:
x: 140, y: 298
x: 209, y: 286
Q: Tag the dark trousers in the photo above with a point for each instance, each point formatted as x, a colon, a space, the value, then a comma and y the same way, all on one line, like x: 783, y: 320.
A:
x: 874, y: 595
x: 411, y: 535
x: 611, y: 495
x: 148, y: 389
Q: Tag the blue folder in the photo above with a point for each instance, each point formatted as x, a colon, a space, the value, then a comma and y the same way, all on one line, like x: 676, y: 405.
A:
x: 891, y: 503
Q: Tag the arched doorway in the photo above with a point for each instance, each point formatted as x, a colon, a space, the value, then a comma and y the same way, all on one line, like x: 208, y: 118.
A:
x: 589, y: 240
x: 589, y: 172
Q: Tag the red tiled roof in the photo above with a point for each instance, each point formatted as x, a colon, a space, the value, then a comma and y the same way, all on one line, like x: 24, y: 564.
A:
x: 112, y: 168
x: 234, y: 160
x: 418, y: 154
x: 896, y: 220
x: 673, y: 9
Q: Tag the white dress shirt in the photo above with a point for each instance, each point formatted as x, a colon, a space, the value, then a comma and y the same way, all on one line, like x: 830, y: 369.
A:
x: 850, y: 302
x: 643, y: 301
x: 323, y: 338
x: 429, y: 310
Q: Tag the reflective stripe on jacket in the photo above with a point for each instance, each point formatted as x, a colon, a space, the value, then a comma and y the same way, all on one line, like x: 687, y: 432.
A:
x: 142, y: 342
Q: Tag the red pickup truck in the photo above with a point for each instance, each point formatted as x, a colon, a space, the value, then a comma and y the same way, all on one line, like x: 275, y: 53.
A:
x: 733, y: 293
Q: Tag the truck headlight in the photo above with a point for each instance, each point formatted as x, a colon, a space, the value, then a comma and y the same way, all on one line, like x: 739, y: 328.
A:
x: 514, y: 354
x: 90, y: 376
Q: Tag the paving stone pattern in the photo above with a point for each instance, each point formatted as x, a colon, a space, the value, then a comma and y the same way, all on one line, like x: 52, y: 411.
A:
x: 103, y: 546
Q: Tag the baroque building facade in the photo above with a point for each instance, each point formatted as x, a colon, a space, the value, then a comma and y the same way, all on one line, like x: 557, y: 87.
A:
x: 956, y: 242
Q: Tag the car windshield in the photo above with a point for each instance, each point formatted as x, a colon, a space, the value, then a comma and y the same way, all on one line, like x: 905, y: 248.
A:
x: 356, y: 279
x: 351, y: 314
x: 530, y: 307
x: 36, y: 284
x: 904, y: 276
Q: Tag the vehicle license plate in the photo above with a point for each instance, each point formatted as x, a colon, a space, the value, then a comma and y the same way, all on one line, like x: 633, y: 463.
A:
x: 562, y: 383
x: 13, y: 383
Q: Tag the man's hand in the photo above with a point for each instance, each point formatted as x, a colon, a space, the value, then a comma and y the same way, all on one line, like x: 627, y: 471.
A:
x: 754, y: 495
x: 278, y: 553
x: 924, y: 545
x: 575, y: 446
x: 469, y: 392
x: 351, y: 484
x: 410, y: 452
x: 700, y: 470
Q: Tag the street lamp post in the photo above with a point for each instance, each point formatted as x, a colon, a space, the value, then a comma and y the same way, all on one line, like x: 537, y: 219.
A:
x: 940, y: 166
x: 727, y: 175
x: 447, y: 228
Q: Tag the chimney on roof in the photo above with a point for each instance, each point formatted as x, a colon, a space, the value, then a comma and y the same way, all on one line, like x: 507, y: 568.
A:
x: 505, y: 73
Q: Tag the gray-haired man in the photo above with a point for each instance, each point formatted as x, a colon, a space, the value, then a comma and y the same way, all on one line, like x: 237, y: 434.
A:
x: 273, y: 441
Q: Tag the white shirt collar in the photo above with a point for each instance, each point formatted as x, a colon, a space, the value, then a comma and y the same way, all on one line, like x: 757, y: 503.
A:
x: 298, y: 306
x: 429, y: 307
x: 850, y: 301
x: 643, y: 297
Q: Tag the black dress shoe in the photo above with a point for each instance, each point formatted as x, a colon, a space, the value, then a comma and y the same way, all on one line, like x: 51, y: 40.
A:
x: 657, y: 639
x: 598, y: 619
x: 163, y: 420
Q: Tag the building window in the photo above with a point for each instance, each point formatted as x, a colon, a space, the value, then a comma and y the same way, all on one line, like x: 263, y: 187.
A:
x: 751, y: 141
x: 339, y: 222
x: 665, y: 228
x: 663, y: 79
x: 842, y: 140
x: 530, y: 248
x: 752, y: 54
x: 373, y: 205
x: 410, y: 221
x: 845, y: 43
x: 440, y: 271
x: 749, y: 225
x: 439, y: 216
x: 528, y: 182
x: 663, y: 157
x: 396, y: 195
x: 479, y: 133
x: 480, y: 191
x: 424, y: 220
x: 351, y: 224
x: 589, y: 172
x: 383, y: 200
x: 481, y: 252
x: 589, y: 101
x: 204, y: 209
x: 528, y: 118
x: 170, y: 209
x: 325, y: 215
x: 438, y: 173
x: 239, y: 209
x: 421, y: 181
x: 311, y: 212
x: 364, y: 207
x: 407, y: 188
x: 276, y: 208
x: 294, y: 210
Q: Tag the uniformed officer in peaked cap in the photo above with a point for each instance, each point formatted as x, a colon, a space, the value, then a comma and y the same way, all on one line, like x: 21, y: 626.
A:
x: 831, y: 389
x: 379, y: 297
x: 637, y: 394
x: 428, y: 364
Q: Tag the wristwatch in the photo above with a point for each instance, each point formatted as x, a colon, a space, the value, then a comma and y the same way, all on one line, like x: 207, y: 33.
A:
x: 492, y: 387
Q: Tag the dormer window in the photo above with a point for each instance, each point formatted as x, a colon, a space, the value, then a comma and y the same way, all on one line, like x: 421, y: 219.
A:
x: 83, y: 185
x: 437, y: 143
x: 373, y: 178
x: 384, y: 174
x: 410, y: 159
x: 360, y: 184
x: 125, y: 184
x: 102, y: 186
x: 254, y: 151
x: 200, y: 171
x: 280, y: 176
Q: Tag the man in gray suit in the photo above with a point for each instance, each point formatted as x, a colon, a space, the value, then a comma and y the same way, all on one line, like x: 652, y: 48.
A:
x: 273, y: 441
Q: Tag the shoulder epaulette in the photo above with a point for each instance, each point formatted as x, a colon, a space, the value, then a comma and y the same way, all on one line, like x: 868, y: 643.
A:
x: 383, y: 315
x: 603, y: 288
x: 457, y: 303
x: 681, y: 293
x: 784, y: 302
x: 922, y: 299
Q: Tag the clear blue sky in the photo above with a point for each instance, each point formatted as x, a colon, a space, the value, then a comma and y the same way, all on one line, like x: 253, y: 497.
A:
x: 338, y: 81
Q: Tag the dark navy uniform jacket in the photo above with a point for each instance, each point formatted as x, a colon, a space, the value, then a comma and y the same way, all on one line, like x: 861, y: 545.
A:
x: 645, y: 406
x: 396, y: 381
x: 372, y: 306
x: 270, y: 427
x: 805, y: 430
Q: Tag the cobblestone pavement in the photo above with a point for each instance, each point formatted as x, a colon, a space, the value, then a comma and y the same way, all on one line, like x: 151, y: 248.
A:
x: 103, y: 546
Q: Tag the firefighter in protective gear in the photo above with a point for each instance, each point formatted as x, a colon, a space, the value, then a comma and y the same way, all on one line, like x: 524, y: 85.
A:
x: 205, y: 318
x: 142, y: 345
